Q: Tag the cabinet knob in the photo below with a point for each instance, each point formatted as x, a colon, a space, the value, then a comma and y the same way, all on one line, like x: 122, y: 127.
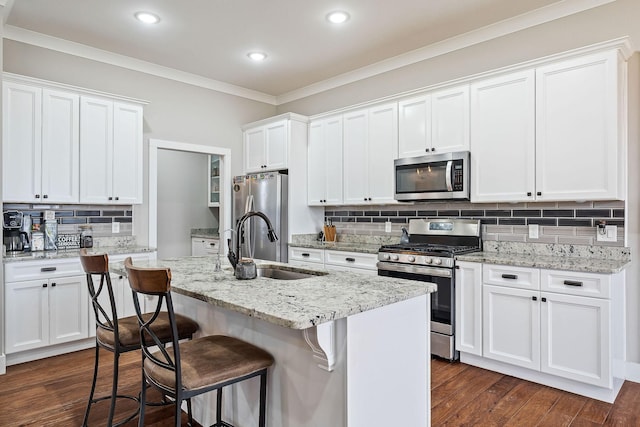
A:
x: 110, y: 198
x: 117, y: 198
x: 539, y: 193
x: 534, y: 298
x: 427, y: 150
x: 369, y: 198
x: 365, y: 199
x: 544, y: 299
x: 44, y: 285
x: 53, y: 285
x: 529, y: 193
x: 46, y: 196
x: 37, y: 196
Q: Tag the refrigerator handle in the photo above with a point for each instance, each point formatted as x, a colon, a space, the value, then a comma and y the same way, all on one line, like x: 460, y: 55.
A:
x: 248, y: 207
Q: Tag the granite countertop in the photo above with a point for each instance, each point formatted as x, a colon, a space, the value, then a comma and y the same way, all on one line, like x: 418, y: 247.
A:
x: 339, y: 246
x: 295, y: 304
x: 205, y: 233
x: 553, y: 262
x: 74, y: 253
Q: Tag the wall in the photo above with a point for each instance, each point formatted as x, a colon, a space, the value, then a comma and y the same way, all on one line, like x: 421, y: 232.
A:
x: 613, y: 20
x: 182, y: 201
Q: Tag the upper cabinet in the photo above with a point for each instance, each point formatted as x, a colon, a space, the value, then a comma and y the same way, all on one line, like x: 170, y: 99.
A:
x: 213, y: 195
x: 40, y: 145
x: 550, y: 134
x: 111, y: 152
x: 369, y: 148
x: 325, y: 162
x: 266, y: 146
x: 436, y: 122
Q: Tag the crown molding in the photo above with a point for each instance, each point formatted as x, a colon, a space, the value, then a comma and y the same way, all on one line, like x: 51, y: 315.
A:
x: 77, y: 49
x: 499, y: 29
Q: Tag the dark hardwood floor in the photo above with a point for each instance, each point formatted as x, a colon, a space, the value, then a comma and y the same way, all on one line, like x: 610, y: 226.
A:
x: 53, y: 392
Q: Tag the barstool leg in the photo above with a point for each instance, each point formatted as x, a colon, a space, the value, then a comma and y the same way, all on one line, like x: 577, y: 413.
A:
x: 189, y: 413
x: 143, y: 401
x: 263, y: 399
x: 178, y: 412
x: 114, y: 387
x: 219, y: 407
x: 93, y: 388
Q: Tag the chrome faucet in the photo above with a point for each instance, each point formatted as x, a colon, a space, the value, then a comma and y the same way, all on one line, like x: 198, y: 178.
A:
x: 235, y: 257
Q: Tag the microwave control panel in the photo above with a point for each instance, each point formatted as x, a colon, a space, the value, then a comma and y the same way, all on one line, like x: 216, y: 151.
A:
x: 458, y: 176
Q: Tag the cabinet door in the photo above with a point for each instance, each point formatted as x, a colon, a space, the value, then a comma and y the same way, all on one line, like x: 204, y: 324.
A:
x: 414, y: 126
x: 127, y: 153
x: 26, y: 315
x: 96, y: 142
x: 575, y: 342
x: 577, y: 134
x: 355, y: 149
x: 68, y: 309
x: 21, y: 143
x: 254, y: 146
x: 276, y: 145
x: 382, y: 150
x: 333, y: 142
x: 511, y: 326
x: 503, y: 138
x: 197, y: 247
x: 317, y: 171
x: 60, y: 147
x: 469, y: 307
x: 450, y: 119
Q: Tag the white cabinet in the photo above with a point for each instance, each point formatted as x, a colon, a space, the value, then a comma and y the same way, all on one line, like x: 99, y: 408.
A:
x: 525, y: 125
x: 351, y: 261
x: 369, y: 148
x: 503, y: 138
x: 111, y: 152
x: 579, y: 112
x: 201, y: 246
x: 49, y: 307
x: 325, y: 162
x: 436, y: 122
x: 214, y: 183
x: 557, y: 322
x: 301, y: 256
x: 468, y: 307
x: 40, y: 145
x: 266, y: 146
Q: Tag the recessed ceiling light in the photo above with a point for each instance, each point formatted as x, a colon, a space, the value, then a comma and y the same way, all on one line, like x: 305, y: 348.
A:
x: 147, y: 18
x: 338, y: 17
x: 257, y: 56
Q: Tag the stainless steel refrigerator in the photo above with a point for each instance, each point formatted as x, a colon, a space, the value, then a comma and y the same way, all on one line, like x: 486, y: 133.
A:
x: 267, y: 193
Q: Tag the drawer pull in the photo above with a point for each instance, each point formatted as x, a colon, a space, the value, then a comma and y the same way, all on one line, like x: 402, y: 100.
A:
x: 53, y: 285
x: 572, y: 283
x: 212, y: 244
x: 534, y: 298
x: 306, y: 254
x: 349, y: 259
x: 510, y: 276
x: 44, y: 285
x: 43, y: 269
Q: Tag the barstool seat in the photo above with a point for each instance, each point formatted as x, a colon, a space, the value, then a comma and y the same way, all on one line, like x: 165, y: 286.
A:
x: 109, y: 326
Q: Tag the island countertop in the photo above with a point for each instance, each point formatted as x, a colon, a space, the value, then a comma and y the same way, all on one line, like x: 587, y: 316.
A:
x: 295, y: 304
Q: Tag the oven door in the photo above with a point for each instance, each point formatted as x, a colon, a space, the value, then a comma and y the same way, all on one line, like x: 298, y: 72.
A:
x: 442, y: 301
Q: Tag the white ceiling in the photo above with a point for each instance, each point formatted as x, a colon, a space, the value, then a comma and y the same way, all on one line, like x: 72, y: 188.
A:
x: 210, y: 38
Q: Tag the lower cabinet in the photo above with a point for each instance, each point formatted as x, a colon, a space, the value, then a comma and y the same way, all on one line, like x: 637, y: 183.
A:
x: 560, y: 323
x: 334, y: 260
x: 203, y: 246
x: 45, y: 312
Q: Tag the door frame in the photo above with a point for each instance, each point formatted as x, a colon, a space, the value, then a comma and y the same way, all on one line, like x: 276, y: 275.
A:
x: 225, y: 194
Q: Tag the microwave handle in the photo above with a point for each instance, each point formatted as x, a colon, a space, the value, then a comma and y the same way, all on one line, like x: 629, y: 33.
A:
x: 448, y: 174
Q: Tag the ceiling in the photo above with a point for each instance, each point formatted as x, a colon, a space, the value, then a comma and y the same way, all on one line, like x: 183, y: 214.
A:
x: 211, y: 38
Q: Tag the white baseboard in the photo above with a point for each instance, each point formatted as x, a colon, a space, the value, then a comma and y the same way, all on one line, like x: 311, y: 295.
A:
x: 633, y: 372
x: 3, y: 364
x: 54, y: 350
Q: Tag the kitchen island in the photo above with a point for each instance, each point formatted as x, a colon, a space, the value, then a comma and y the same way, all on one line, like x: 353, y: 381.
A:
x: 350, y: 349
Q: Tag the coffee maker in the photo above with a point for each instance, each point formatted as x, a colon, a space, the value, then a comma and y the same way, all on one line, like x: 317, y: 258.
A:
x: 15, y: 237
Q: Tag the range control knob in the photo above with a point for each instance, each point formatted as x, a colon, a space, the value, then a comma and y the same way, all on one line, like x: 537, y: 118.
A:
x: 437, y: 261
x: 411, y: 258
x: 386, y: 257
x: 394, y: 257
x: 428, y: 260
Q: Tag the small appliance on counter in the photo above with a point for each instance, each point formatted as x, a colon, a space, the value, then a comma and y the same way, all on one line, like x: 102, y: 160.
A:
x: 14, y: 237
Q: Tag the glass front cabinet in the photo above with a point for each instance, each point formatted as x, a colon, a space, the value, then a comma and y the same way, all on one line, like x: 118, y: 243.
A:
x: 214, y: 181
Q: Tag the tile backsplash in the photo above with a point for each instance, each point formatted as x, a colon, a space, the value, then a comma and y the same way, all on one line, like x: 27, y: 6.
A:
x: 559, y: 222
x: 69, y: 217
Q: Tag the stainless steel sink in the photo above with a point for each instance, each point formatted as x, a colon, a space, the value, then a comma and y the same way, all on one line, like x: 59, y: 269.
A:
x: 282, y: 274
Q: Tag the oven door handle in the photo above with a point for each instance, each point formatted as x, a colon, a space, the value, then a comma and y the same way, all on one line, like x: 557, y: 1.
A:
x: 415, y: 269
x: 448, y: 174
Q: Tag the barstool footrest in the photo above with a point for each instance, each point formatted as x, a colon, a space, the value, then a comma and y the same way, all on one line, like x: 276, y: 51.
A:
x: 121, y: 396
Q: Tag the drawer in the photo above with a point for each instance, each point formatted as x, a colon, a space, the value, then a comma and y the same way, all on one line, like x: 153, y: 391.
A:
x: 514, y: 277
x: 306, y: 255
x: 210, y: 246
x: 34, y: 270
x: 576, y: 283
x: 351, y: 259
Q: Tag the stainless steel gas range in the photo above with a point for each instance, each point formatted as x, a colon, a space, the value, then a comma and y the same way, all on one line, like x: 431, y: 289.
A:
x: 429, y: 256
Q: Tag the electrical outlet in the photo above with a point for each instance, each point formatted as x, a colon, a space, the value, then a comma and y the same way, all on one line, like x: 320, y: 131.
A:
x: 610, y: 233
x: 534, y: 231
x: 115, y: 227
x: 387, y: 227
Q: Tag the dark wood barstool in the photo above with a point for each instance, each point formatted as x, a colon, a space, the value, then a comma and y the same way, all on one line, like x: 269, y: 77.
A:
x: 120, y: 335
x: 194, y: 367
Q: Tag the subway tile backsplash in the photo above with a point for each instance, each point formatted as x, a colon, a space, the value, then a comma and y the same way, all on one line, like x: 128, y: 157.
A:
x: 69, y: 217
x: 559, y: 222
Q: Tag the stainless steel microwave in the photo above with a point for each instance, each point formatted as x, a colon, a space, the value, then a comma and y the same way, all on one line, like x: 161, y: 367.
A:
x: 433, y: 177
